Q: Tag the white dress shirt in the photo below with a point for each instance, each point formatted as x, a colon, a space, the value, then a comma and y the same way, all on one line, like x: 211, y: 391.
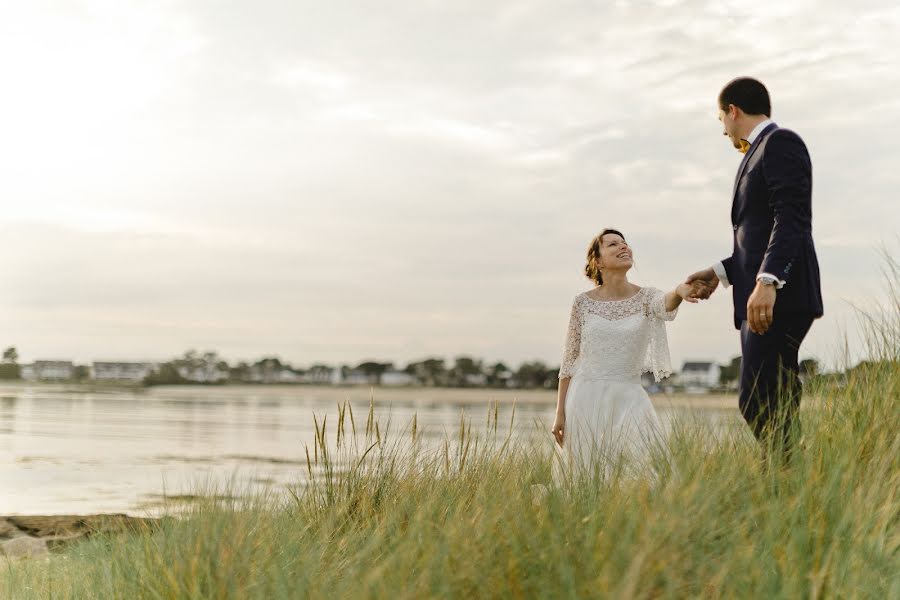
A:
x: 719, y: 268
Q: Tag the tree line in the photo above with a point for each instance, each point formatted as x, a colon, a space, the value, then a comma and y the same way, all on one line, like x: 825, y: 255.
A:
x: 210, y: 367
x: 462, y: 371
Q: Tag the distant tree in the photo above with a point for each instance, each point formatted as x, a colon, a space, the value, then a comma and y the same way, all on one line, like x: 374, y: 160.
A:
x: 320, y: 372
x: 270, y: 368
x: 11, y: 355
x: 535, y: 374
x: 166, y: 374
x: 374, y: 370
x: 81, y: 373
x: 9, y: 368
x: 191, y: 359
x: 239, y: 372
x: 430, y: 372
x: 212, y: 360
x: 272, y: 363
x: 207, y: 366
x: 498, y: 374
x: 731, y: 372
x: 463, y: 368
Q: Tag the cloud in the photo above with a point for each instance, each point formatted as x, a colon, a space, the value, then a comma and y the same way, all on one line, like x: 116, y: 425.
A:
x: 344, y: 180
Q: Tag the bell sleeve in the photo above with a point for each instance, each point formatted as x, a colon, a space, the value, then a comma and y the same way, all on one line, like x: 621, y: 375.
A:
x: 573, y: 341
x: 657, y: 359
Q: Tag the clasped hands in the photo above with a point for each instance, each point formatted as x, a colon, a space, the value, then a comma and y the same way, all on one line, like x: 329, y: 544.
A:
x: 760, y: 305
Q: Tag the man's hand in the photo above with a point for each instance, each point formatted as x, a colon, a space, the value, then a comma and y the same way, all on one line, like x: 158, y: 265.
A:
x: 761, y: 308
x: 689, y: 292
x: 708, y: 278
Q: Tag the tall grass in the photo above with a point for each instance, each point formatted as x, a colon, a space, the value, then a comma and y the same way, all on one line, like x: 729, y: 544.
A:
x: 384, y: 514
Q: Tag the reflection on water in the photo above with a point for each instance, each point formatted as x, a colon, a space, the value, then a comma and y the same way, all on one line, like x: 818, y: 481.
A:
x: 66, y: 449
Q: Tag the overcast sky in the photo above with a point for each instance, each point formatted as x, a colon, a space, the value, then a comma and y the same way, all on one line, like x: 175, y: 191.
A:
x: 339, y: 181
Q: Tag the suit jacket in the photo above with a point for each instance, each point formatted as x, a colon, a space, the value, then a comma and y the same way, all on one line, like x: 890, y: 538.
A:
x: 771, y: 218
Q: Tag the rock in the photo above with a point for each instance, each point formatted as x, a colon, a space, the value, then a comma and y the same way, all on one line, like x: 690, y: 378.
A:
x: 76, y: 525
x: 7, y: 529
x: 37, y: 535
x: 24, y: 546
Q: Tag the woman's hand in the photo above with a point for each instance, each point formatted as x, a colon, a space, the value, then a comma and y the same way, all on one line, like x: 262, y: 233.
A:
x: 689, y: 292
x: 558, y: 426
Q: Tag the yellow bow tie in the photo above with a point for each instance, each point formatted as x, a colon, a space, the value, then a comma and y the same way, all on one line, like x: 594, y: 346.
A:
x: 745, y: 145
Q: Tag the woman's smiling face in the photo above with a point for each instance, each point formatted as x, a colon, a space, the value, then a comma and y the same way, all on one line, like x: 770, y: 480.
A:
x: 615, y: 253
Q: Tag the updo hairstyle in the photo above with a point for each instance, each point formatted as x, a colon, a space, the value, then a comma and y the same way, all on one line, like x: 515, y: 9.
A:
x: 593, y: 256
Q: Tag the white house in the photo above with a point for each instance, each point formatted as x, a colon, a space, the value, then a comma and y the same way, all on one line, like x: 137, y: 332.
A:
x: 48, y: 370
x: 261, y: 374
x: 476, y: 379
x: 699, y: 377
x: 321, y: 374
x: 357, y: 377
x: 121, y: 371
x: 209, y: 374
x: 397, y: 378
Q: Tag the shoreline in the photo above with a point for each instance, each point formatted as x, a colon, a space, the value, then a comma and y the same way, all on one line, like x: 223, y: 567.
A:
x: 27, y: 536
x: 416, y: 395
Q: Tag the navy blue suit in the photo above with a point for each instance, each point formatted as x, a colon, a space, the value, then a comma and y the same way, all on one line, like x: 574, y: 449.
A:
x: 772, y: 223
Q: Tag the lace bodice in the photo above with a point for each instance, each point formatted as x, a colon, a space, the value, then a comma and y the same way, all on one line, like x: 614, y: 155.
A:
x: 618, y: 339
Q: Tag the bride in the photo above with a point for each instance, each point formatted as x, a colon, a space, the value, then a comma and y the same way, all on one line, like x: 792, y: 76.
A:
x: 616, y: 332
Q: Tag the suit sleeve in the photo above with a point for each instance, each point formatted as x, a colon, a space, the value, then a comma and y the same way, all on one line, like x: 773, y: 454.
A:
x: 788, y: 174
x: 727, y: 265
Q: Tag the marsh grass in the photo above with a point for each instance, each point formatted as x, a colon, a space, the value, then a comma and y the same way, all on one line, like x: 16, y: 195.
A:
x: 382, y: 514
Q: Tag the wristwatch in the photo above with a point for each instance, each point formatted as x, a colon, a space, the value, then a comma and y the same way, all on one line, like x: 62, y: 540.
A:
x: 766, y: 280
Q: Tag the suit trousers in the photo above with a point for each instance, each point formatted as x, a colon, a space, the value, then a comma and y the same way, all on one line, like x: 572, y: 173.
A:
x: 770, y: 385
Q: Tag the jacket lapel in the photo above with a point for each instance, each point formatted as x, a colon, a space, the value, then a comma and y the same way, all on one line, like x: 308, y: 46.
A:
x: 743, y: 165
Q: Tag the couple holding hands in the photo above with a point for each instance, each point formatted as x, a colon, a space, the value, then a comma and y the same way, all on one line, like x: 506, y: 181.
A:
x: 617, y: 329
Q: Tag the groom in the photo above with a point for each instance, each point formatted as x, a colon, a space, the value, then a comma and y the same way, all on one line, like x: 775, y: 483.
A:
x: 773, y: 270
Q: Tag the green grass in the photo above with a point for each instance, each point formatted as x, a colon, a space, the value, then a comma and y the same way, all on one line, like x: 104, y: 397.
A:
x: 460, y: 522
x: 386, y: 516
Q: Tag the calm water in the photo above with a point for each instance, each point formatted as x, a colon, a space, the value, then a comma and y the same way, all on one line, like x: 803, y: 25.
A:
x: 66, y: 449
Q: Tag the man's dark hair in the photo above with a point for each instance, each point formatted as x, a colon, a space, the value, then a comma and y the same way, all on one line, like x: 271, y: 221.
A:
x: 748, y: 94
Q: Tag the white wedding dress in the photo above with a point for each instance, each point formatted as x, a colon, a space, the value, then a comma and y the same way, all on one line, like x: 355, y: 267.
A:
x: 609, y: 418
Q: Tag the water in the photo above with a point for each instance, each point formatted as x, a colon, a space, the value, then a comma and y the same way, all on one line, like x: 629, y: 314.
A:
x: 76, y: 450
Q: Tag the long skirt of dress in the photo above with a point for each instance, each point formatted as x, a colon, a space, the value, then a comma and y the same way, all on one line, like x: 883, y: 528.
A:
x: 611, y: 430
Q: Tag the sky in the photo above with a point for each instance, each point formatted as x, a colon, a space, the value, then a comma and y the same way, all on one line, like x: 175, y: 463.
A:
x: 343, y: 181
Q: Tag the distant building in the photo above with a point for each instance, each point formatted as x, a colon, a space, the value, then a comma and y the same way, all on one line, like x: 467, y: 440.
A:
x: 321, y: 374
x: 397, y: 378
x: 475, y: 379
x: 699, y: 377
x: 121, y: 371
x: 357, y: 377
x: 289, y: 376
x: 207, y: 374
x: 48, y: 370
x: 504, y: 377
x: 265, y: 374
